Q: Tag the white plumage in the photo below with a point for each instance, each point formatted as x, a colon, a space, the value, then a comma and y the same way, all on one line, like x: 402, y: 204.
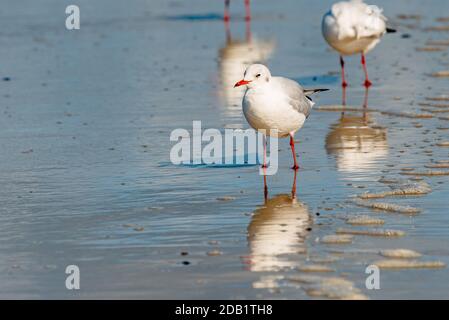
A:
x: 352, y: 27
x: 277, y: 104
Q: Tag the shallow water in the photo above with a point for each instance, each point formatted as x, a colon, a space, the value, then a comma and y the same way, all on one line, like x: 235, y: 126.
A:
x: 86, y: 177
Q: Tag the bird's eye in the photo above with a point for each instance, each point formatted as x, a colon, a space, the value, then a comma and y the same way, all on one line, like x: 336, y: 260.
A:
x: 258, y: 75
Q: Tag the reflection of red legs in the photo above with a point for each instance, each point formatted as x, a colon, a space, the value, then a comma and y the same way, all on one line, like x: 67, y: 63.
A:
x: 248, y: 30
x: 294, y: 186
x: 365, y: 100
x: 367, y: 83
x: 226, y: 11
x: 226, y: 20
x: 248, y: 12
x: 365, y: 103
x: 248, y: 19
x: 228, y: 31
x: 344, y: 84
x: 292, y: 145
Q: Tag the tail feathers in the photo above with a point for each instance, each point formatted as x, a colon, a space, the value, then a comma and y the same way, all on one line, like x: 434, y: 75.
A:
x: 391, y: 30
x: 308, y: 92
x: 312, y: 91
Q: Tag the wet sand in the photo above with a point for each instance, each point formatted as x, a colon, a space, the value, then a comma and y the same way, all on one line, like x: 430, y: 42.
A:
x: 86, y: 177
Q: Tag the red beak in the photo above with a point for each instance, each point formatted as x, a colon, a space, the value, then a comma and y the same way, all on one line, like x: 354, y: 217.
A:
x: 241, y: 83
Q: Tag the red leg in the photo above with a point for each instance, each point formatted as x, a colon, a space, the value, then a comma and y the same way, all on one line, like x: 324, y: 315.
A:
x: 248, y: 12
x: 264, y: 152
x: 344, y: 84
x: 292, y: 145
x: 367, y: 83
x: 226, y: 11
x: 265, y: 188
x: 264, y: 166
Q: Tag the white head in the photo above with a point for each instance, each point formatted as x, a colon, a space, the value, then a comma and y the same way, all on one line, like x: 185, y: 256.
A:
x: 255, y: 75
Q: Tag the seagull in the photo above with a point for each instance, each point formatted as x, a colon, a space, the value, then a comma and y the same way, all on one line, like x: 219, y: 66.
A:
x: 275, y: 103
x: 226, y: 16
x: 352, y: 27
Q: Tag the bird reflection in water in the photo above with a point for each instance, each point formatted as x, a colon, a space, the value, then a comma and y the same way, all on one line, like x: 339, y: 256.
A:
x: 277, y: 233
x: 226, y: 18
x: 357, y: 143
x: 234, y: 58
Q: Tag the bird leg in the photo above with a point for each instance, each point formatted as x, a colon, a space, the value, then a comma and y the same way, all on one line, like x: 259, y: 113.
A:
x: 226, y: 11
x: 264, y: 165
x: 265, y: 187
x: 248, y: 12
x: 367, y: 83
x: 292, y: 145
x: 344, y: 84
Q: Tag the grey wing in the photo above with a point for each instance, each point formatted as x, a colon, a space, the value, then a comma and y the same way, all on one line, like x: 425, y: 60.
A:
x: 295, y: 93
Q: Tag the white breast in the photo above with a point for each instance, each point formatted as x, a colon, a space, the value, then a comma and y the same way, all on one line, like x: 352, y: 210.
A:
x: 265, y: 110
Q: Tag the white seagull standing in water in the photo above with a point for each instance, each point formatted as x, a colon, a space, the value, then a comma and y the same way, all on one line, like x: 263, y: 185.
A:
x: 352, y: 27
x: 275, y: 103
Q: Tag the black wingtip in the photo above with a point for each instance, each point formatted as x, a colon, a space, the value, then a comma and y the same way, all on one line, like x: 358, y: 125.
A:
x: 312, y: 91
x: 391, y: 30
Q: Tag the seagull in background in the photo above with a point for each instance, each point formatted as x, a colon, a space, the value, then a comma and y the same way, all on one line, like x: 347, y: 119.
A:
x: 352, y: 27
x: 275, y: 103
